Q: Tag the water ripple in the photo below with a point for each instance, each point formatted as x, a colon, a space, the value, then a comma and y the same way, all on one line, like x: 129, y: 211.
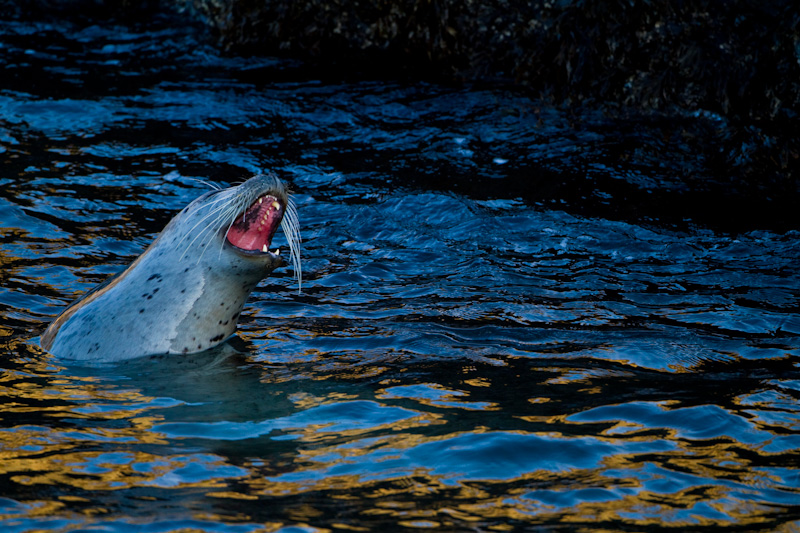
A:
x: 517, y: 316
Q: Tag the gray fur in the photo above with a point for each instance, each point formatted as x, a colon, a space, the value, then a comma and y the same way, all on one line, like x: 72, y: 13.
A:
x: 184, y: 294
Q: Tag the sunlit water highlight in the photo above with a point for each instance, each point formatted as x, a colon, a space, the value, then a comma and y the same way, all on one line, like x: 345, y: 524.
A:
x: 489, y: 337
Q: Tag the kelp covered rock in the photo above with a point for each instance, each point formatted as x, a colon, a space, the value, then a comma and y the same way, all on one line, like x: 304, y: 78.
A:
x: 723, y: 76
x: 735, y: 57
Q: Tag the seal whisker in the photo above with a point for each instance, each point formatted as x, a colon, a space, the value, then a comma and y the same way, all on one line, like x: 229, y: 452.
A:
x: 219, y: 222
x: 214, y: 186
x: 291, y: 229
x: 212, y: 211
x: 230, y: 212
x: 218, y: 211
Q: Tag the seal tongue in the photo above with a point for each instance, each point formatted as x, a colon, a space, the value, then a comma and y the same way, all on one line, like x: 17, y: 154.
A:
x: 253, y: 229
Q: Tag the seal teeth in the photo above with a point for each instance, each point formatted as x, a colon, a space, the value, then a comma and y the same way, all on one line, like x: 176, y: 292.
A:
x: 277, y: 251
x: 260, y: 200
x: 276, y: 205
x: 264, y: 249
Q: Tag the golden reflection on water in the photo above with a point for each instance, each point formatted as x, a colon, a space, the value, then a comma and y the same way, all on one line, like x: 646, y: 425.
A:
x: 90, y: 434
x: 305, y: 400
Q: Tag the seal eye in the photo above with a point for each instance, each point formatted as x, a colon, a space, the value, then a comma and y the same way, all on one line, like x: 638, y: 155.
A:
x: 253, y: 230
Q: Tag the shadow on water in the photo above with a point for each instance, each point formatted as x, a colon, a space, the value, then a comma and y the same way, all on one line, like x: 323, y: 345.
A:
x: 513, y: 316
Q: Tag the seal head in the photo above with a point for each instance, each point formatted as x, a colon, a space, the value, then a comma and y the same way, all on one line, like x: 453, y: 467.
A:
x: 185, y: 292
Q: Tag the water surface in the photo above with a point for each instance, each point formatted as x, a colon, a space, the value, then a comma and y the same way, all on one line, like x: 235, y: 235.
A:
x: 513, y: 315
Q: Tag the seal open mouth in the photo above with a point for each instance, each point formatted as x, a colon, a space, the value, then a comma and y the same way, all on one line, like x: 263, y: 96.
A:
x: 252, y: 231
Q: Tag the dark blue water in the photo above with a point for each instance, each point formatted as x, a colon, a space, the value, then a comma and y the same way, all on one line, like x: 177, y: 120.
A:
x: 509, y: 320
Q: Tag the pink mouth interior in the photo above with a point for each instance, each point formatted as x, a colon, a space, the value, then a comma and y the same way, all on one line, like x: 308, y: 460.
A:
x: 254, y: 228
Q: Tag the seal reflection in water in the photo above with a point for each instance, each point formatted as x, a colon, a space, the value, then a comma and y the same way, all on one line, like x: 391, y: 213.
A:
x: 185, y: 292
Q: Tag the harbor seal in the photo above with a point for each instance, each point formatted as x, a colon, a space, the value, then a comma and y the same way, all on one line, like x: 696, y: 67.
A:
x: 185, y: 292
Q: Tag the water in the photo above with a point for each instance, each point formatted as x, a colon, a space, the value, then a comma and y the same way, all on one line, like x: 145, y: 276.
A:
x: 504, y: 323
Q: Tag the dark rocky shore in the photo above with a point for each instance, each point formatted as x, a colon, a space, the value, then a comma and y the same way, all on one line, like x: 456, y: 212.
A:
x: 724, y: 75
x: 737, y: 58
